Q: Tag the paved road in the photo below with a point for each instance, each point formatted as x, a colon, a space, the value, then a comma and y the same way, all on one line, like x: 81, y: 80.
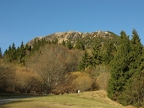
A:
x: 4, y: 101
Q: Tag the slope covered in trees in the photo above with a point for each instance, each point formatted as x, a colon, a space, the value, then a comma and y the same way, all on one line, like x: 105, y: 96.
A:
x: 64, y: 62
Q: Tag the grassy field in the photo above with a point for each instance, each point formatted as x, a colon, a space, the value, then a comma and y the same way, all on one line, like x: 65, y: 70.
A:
x: 94, y: 99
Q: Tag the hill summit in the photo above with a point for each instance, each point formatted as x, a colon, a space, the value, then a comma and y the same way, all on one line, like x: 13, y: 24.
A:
x: 74, y: 35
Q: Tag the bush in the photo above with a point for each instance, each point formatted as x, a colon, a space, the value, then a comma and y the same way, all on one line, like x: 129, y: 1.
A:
x: 82, y: 82
x: 102, y: 80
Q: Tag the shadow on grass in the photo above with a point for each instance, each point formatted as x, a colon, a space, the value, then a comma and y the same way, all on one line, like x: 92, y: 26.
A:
x: 4, y: 105
x: 28, y: 102
x: 7, y: 98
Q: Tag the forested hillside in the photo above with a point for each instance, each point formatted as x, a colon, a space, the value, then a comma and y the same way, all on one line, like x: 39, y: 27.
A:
x: 69, y: 61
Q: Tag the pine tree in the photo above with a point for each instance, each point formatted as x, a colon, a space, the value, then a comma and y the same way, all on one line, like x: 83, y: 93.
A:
x: 69, y: 45
x: 96, y: 53
x: 63, y: 43
x: 85, y: 62
x: 1, y: 53
x: 36, y: 45
x: 134, y: 89
x: 21, y: 51
x: 136, y: 50
x: 56, y: 41
x: 13, y: 53
x: 6, y: 53
x: 79, y: 45
x: 10, y: 54
x: 119, y: 68
x: 108, y: 55
x: 22, y: 45
x: 43, y: 42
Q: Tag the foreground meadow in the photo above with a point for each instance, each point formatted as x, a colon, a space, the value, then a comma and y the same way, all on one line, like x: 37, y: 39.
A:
x: 94, y: 99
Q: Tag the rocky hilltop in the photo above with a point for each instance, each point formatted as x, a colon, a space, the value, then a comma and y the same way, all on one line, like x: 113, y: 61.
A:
x: 73, y: 36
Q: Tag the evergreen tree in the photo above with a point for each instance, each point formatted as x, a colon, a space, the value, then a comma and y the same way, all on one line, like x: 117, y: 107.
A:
x: 13, y: 47
x: 136, y: 51
x: 85, y: 62
x: 22, y: 45
x: 1, y: 53
x: 108, y: 55
x: 96, y: 53
x: 21, y: 51
x: 27, y: 49
x: 134, y: 89
x: 43, y: 42
x: 10, y: 54
x: 63, y: 43
x: 9, y: 48
x: 79, y: 45
x: 5, y: 52
x: 119, y: 68
x: 49, y: 42
x: 56, y: 41
x: 69, y: 45
x: 36, y: 45
x: 13, y: 53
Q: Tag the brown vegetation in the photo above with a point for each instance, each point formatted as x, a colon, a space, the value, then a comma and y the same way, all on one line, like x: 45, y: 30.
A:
x: 6, y: 76
x: 82, y: 81
x: 17, y: 79
x: 53, y: 64
x: 52, y: 71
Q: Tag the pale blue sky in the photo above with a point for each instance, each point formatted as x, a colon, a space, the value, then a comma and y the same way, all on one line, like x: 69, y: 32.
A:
x: 22, y: 20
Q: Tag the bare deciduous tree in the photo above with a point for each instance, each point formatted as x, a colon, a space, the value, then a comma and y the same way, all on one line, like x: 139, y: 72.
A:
x: 53, y: 63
